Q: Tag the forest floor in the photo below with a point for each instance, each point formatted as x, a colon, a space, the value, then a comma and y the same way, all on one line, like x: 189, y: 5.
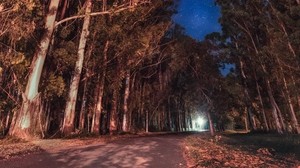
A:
x: 243, y: 150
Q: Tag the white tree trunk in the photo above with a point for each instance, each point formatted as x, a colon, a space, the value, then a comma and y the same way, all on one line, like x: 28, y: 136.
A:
x: 262, y: 104
x: 147, y: 121
x: 289, y: 100
x: 68, y: 125
x: 274, y: 109
x: 26, y: 124
x: 125, y: 106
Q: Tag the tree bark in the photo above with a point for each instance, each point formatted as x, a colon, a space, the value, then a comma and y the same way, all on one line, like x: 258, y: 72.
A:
x: 211, y: 125
x: 147, y: 121
x: 247, y: 96
x: 261, y: 104
x: 274, y: 109
x: 97, y: 114
x: 287, y: 94
x: 113, y: 113
x: 27, y: 120
x: 68, y: 125
x: 83, y: 106
x: 125, y: 105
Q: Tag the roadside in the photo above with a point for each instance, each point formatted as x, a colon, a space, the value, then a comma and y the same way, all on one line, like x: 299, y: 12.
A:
x: 241, y: 150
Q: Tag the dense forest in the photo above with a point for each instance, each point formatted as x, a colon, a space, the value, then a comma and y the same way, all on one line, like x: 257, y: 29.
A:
x: 112, y: 66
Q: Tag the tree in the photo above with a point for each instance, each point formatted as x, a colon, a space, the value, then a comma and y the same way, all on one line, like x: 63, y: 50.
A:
x: 68, y: 125
x: 27, y: 121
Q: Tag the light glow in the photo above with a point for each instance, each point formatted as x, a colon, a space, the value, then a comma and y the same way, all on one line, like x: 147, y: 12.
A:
x: 200, y: 121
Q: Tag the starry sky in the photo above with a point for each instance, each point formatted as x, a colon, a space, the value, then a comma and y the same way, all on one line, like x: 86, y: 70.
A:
x: 198, y: 17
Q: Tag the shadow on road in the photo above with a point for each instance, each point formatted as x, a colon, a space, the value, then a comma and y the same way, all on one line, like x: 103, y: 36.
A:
x: 154, y: 151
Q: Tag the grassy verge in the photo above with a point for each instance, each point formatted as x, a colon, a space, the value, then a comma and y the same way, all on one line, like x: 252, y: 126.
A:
x: 242, y: 150
x: 280, y: 144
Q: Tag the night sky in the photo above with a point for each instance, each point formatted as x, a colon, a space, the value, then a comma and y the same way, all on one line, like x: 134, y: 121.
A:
x: 198, y: 17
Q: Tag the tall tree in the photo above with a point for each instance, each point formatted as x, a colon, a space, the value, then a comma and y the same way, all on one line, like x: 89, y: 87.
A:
x: 68, y: 124
x: 27, y: 121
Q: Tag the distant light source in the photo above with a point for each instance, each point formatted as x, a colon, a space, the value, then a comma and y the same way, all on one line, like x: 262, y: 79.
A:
x: 200, y: 121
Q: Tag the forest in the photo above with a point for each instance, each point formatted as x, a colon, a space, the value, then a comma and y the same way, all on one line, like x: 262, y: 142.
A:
x: 96, y: 67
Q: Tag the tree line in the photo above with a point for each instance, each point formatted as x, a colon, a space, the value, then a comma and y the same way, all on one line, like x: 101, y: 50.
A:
x: 261, y: 38
x: 96, y: 67
x: 105, y: 67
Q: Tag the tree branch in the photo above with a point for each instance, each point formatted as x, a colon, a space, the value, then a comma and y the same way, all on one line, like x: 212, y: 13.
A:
x: 96, y: 14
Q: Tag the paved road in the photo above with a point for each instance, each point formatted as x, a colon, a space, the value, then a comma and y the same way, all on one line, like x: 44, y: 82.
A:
x: 163, y: 151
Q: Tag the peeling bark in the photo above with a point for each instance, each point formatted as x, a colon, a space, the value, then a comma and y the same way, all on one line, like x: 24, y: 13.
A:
x: 26, y: 122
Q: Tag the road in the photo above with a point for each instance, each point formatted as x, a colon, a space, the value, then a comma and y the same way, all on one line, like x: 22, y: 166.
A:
x: 159, y: 151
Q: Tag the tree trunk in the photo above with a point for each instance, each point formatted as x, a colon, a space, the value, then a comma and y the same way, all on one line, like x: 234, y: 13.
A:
x: 261, y: 104
x: 147, y: 121
x: 27, y: 120
x: 113, y: 113
x: 97, y: 114
x: 274, y: 109
x: 211, y: 125
x: 169, y: 115
x: 247, y: 96
x: 289, y: 101
x: 125, y: 105
x: 246, y: 120
x: 83, y: 106
x: 68, y: 125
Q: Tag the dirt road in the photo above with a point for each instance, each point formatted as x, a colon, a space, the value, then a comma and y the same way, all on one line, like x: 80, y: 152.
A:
x: 160, y: 151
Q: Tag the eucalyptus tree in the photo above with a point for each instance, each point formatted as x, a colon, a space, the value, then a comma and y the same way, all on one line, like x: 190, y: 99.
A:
x: 17, y: 27
x: 27, y: 120
x: 68, y: 124
x: 260, y: 31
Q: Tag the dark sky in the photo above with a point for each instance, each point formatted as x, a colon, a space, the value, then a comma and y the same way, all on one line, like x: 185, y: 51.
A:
x: 198, y: 17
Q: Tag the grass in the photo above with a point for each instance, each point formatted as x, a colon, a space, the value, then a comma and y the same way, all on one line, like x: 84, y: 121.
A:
x: 283, y: 144
x: 242, y: 149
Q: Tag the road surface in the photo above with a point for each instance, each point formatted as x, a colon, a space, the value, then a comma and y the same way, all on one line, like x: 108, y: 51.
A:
x: 160, y: 151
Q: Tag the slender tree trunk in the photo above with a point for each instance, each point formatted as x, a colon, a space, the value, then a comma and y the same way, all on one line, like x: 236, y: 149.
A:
x: 247, y: 96
x: 211, y: 125
x: 26, y: 122
x: 289, y: 101
x: 261, y: 104
x: 68, y: 125
x: 169, y: 115
x: 63, y: 11
x: 83, y: 106
x: 125, y: 105
x: 274, y: 109
x: 141, y: 110
x: 246, y: 120
x: 48, y: 113
x: 113, y: 128
x: 147, y: 121
x: 97, y: 114
x: 104, y: 6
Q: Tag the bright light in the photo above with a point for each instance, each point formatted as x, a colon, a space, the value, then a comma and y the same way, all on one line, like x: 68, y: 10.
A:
x: 200, y: 121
